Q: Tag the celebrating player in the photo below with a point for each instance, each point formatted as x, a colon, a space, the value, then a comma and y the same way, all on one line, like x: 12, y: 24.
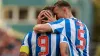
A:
x: 73, y: 30
x: 45, y: 44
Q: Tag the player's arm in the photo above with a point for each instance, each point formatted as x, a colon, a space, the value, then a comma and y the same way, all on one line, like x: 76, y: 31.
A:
x: 24, y: 50
x: 64, y: 49
x: 64, y: 46
x: 41, y: 28
x: 23, y: 54
x: 54, y: 27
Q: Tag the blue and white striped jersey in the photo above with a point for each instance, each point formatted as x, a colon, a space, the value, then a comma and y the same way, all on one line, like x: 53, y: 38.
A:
x: 76, y: 34
x: 42, y: 44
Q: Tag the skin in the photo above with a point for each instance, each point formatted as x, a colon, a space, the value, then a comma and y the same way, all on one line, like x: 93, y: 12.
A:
x: 23, y: 54
x: 64, y: 49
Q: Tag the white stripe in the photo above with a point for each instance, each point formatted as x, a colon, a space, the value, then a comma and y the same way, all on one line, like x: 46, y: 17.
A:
x: 53, y: 44
x: 61, y: 39
x: 64, y: 34
x: 25, y: 40
x: 73, y: 36
x: 87, y: 42
x: 33, y: 42
x: 56, y: 26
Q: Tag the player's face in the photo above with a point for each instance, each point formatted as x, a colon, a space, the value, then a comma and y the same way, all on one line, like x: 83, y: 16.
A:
x: 59, y: 12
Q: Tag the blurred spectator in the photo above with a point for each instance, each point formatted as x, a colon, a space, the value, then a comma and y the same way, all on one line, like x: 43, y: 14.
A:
x: 9, y: 45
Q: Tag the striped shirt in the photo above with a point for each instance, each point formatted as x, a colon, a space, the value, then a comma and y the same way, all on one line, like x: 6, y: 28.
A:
x: 76, y: 34
x: 42, y: 44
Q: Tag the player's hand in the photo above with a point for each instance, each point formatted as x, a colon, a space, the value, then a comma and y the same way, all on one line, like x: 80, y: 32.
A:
x: 49, y: 15
x: 40, y: 17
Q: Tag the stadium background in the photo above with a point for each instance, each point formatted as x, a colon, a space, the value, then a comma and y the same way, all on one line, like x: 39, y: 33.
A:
x: 17, y: 17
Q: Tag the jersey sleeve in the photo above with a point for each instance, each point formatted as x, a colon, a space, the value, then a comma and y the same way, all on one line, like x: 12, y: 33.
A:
x: 57, y: 26
x: 24, y: 46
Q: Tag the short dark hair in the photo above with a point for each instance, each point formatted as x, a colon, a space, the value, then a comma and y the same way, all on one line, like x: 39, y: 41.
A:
x: 62, y: 4
x: 50, y: 8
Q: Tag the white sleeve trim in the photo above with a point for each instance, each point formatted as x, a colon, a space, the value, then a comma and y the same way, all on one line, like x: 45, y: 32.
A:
x: 51, y: 27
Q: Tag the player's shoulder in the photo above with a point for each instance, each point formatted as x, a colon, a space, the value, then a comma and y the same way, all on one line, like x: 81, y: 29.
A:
x: 57, y: 21
x: 68, y: 20
x: 61, y: 19
x: 78, y: 21
x: 31, y: 33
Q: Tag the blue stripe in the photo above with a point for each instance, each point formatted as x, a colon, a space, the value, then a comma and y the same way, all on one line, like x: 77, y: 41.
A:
x: 58, y: 30
x: 37, y: 47
x: 57, y: 44
x: 68, y: 34
x: 29, y: 43
x: 57, y: 22
x: 49, y: 35
x: 85, y: 36
x: 64, y: 39
x: 77, y: 42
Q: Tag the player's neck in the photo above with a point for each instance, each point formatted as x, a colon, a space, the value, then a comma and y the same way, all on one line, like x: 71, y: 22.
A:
x: 69, y: 16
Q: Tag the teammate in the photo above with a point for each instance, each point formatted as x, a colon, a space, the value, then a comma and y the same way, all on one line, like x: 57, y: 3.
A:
x: 45, y: 44
x: 73, y: 30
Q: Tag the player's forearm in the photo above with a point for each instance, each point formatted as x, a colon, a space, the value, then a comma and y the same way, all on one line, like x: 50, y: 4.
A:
x: 64, y: 49
x: 23, y: 54
x: 37, y: 28
x: 64, y: 54
x: 24, y: 51
x: 42, y: 28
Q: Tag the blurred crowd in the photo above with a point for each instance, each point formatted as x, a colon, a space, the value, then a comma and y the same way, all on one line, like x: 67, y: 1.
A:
x: 9, y: 45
